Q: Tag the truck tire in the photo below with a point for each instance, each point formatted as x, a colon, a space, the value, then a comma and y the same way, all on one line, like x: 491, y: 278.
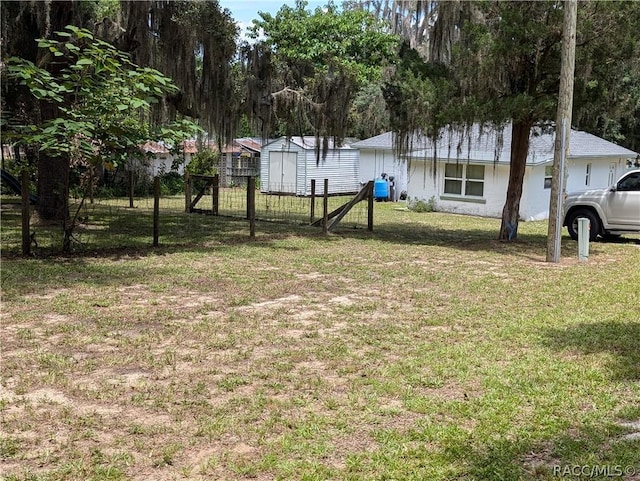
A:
x: 594, y: 220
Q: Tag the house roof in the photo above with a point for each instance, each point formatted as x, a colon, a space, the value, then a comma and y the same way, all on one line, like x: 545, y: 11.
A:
x: 309, y: 142
x: 154, y: 148
x: 482, y: 145
x: 249, y: 143
x: 191, y: 146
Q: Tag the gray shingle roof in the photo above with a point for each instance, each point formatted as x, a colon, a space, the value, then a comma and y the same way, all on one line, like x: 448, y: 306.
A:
x: 481, y: 145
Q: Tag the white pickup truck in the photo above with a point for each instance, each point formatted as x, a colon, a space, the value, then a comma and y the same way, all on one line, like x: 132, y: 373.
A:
x: 611, y: 212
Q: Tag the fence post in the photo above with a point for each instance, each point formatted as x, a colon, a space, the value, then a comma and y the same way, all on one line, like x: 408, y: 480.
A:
x: 370, y: 207
x: 26, y: 236
x: 248, y: 194
x: 313, y: 201
x: 187, y: 192
x: 251, y: 205
x: 131, y: 189
x: 156, y: 211
x: 215, y: 193
x: 325, y: 208
x: 92, y: 173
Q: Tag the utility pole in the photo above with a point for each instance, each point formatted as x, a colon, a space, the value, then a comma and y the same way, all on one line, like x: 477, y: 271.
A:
x: 563, y: 129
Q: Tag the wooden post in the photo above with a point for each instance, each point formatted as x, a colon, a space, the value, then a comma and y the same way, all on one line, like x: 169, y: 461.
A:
x: 313, y: 201
x: 370, y: 208
x: 156, y: 211
x: 248, y: 194
x: 92, y: 174
x: 325, y: 208
x: 251, y: 205
x: 26, y: 235
x: 131, y: 189
x: 187, y: 192
x: 215, y: 193
x: 563, y: 129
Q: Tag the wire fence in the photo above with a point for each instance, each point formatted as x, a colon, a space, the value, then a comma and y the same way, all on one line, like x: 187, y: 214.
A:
x: 123, y: 217
x: 282, y: 207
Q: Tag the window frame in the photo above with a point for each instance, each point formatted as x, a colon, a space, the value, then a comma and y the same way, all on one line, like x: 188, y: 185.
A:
x: 463, y: 180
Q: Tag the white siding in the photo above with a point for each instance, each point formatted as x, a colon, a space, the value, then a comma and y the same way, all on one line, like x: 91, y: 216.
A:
x: 161, y: 164
x: 280, y: 145
x: 340, y: 167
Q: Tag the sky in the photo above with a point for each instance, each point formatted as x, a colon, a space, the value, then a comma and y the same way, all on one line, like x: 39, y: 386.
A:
x: 243, y: 11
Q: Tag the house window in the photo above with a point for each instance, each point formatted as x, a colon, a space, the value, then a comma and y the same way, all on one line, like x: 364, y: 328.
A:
x: 464, y: 179
x: 587, y: 179
x: 548, y: 175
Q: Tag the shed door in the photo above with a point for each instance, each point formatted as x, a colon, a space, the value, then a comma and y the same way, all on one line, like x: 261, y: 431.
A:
x: 282, y: 172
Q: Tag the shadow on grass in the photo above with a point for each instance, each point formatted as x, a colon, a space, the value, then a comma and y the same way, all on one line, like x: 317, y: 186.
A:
x: 121, y: 232
x: 620, y: 339
x: 555, y: 457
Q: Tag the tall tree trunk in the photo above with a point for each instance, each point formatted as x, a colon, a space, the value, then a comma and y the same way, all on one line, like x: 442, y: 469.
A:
x: 53, y: 178
x: 520, y: 132
x: 53, y: 187
x: 53, y: 172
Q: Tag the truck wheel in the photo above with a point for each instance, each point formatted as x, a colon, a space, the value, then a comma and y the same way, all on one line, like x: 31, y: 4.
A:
x: 594, y: 220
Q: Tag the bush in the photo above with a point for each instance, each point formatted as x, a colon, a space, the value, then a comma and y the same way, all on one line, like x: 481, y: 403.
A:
x: 171, y: 183
x: 420, y: 205
x: 205, y: 162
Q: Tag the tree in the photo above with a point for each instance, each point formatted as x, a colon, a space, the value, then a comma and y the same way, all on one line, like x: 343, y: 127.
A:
x: 194, y: 43
x: 306, y: 72
x: 191, y: 41
x: 23, y: 22
x: 102, y: 100
x: 607, y: 89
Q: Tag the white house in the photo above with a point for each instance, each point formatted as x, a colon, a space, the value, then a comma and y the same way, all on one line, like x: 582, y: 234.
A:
x: 472, y: 171
x: 160, y: 160
x: 287, y: 166
x: 378, y: 156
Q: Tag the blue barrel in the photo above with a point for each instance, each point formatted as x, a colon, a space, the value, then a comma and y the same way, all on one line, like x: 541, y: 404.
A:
x: 380, y: 189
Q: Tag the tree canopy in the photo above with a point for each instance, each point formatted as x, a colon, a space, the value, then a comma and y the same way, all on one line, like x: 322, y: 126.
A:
x: 306, y: 68
x: 103, y: 99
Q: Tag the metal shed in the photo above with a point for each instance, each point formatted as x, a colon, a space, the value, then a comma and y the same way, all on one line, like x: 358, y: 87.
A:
x: 287, y: 166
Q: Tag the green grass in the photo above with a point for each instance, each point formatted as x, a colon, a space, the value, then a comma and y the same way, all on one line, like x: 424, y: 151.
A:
x: 423, y: 350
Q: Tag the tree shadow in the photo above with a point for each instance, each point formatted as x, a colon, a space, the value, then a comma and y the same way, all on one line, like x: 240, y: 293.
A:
x: 620, y: 339
x: 551, y: 457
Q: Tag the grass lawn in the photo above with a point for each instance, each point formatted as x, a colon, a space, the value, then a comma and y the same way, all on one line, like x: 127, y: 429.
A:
x: 425, y: 350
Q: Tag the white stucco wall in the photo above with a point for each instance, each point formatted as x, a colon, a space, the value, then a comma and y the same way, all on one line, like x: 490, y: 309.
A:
x: 604, y: 173
x: 534, y: 204
x: 421, y: 186
x: 374, y: 162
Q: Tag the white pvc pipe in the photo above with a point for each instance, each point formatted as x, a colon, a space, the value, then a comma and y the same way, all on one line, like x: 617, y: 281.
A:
x: 584, y: 226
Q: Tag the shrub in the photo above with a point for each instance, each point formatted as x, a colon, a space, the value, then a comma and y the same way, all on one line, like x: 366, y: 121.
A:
x: 420, y: 205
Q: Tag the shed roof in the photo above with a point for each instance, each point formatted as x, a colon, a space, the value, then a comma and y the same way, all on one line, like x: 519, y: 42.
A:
x: 308, y: 142
x: 482, y: 145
